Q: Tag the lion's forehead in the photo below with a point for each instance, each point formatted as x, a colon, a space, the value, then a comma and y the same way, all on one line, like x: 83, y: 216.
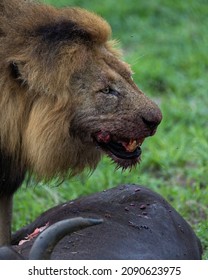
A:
x: 118, y: 66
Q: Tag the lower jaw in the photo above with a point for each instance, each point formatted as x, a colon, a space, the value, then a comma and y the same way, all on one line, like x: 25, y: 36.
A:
x: 123, y: 163
x: 126, y: 161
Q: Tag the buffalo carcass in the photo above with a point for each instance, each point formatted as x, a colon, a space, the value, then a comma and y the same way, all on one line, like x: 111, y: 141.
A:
x: 137, y: 224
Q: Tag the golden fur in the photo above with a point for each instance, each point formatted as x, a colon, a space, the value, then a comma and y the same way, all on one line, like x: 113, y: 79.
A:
x: 65, y: 97
x: 51, y: 88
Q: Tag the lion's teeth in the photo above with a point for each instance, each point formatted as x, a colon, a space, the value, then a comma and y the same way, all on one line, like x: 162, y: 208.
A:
x: 132, y: 145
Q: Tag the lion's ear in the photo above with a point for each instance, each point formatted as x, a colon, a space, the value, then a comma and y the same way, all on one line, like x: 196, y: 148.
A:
x: 16, y: 69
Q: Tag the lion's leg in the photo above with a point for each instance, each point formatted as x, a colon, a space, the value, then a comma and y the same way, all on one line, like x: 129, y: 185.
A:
x: 11, y: 178
x: 5, y: 219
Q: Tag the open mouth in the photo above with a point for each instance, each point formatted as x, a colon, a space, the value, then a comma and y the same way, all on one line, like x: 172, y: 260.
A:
x: 125, y: 152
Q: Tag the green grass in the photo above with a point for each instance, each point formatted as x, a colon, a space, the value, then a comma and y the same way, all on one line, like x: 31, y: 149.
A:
x: 166, y: 44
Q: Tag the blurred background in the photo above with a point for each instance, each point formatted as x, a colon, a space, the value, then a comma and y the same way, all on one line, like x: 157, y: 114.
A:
x: 166, y: 43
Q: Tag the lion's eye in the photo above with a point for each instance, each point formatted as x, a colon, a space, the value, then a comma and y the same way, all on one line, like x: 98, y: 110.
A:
x: 109, y: 90
x: 106, y: 90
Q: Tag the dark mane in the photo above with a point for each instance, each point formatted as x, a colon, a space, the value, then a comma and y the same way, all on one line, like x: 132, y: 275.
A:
x: 62, y: 31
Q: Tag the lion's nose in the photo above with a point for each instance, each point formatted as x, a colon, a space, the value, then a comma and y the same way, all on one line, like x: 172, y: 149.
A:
x: 151, y: 124
x: 152, y: 119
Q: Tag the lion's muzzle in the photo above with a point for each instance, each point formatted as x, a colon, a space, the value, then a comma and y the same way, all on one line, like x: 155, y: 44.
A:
x: 122, y: 141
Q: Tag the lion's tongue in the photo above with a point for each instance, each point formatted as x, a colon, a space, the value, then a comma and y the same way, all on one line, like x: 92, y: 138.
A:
x: 103, y: 136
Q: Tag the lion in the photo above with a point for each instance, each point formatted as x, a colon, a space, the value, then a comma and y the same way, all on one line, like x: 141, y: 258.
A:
x: 66, y: 98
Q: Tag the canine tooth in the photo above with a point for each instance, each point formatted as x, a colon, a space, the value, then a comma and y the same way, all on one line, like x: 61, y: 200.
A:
x: 131, y: 147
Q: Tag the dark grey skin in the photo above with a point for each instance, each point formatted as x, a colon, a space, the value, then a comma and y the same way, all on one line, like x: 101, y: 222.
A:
x: 47, y: 240
x: 137, y: 224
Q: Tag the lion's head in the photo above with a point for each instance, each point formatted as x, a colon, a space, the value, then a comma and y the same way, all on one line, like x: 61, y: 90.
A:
x: 115, y: 116
x: 67, y: 95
